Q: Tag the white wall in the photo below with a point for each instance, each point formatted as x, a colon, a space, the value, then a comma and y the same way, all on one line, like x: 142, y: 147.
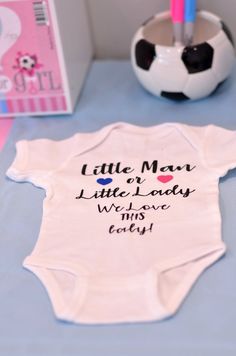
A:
x: 115, y: 21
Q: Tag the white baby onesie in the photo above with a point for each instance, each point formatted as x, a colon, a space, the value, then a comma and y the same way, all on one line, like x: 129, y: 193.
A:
x: 130, y: 219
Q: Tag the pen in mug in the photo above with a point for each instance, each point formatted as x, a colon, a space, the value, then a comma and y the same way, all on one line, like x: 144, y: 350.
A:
x: 177, y: 14
x: 189, y: 19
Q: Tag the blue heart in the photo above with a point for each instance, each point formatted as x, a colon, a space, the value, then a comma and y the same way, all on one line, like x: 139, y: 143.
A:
x: 104, y: 181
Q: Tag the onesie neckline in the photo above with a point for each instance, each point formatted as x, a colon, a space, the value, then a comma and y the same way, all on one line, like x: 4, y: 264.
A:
x: 143, y: 130
x: 158, y: 129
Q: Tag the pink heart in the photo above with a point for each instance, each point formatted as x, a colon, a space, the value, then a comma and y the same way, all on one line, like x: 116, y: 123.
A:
x: 165, y: 179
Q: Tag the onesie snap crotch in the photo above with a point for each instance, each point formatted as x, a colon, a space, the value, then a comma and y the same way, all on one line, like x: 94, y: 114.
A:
x: 120, y: 299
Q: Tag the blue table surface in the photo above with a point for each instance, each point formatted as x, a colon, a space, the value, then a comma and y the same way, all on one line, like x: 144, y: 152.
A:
x: 206, y: 322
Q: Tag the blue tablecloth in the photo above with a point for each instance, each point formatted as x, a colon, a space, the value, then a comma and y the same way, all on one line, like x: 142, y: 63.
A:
x: 206, y: 322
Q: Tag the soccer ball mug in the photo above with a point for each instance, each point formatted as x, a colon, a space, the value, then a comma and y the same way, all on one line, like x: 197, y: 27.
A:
x: 182, y: 72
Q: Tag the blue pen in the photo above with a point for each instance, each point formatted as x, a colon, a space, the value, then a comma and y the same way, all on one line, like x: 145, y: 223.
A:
x: 189, y: 18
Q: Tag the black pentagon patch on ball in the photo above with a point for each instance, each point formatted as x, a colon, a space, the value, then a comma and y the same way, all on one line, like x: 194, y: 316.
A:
x: 174, y: 96
x: 227, y: 32
x: 145, y: 54
x: 198, y: 58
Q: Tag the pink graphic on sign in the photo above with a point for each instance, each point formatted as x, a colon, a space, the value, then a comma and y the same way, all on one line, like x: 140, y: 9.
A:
x: 27, y: 63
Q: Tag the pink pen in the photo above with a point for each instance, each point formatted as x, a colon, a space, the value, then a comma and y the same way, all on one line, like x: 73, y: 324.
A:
x: 177, y: 14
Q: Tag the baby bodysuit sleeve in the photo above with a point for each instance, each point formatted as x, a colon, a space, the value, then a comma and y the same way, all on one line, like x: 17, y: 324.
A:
x: 220, y: 148
x: 36, y: 159
x: 39, y: 157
